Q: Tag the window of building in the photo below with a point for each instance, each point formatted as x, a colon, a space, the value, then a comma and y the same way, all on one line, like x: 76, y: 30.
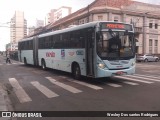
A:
x: 156, y: 26
x: 116, y: 18
x: 82, y: 21
x: 156, y: 46
x: 150, y: 46
x: 156, y: 43
x: 150, y: 25
x: 100, y: 17
x: 150, y: 42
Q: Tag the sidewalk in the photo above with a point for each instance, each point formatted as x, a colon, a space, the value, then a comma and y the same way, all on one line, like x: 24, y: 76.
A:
x: 3, y: 102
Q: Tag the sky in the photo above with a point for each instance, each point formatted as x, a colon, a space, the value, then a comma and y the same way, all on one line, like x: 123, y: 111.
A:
x: 36, y: 9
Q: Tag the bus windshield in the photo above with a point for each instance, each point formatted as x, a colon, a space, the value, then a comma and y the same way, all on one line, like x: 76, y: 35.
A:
x: 115, y: 45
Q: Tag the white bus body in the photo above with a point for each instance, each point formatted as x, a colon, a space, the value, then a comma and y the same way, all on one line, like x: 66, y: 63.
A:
x: 77, y: 50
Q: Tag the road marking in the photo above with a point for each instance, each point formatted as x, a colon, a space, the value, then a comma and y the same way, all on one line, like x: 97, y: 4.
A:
x: 14, y: 63
x: 47, y: 92
x: 19, y: 91
x: 147, y: 76
x: 64, y: 86
x: 144, y: 78
x: 140, y: 65
x: 62, y: 77
x: 132, y: 79
x: 130, y: 83
x: 114, y: 85
x: 85, y: 84
x: 20, y: 63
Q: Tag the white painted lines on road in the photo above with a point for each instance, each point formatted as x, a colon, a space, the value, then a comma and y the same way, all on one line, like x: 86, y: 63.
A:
x: 114, y: 85
x: 64, y: 77
x: 132, y: 79
x: 140, y: 65
x: 130, y: 83
x: 19, y: 91
x: 47, y: 92
x: 85, y: 84
x: 148, y: 76
x: 145, y: 78
x: 64, y: 86
x: 128, y: 79
x: 15, y: 63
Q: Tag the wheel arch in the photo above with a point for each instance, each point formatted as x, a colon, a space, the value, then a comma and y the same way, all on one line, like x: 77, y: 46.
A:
x: 73, y: 64
x: 42, y: 60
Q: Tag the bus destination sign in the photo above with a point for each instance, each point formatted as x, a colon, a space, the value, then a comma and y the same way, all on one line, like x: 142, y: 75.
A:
x: 118, y: 26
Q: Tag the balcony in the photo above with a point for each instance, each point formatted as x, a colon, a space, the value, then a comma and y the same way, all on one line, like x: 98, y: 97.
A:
x: 138, y: 30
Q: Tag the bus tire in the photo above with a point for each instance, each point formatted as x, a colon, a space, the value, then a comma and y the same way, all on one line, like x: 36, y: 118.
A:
x: 76, y: 72
x: 25, y: 61
x: 43, y: 64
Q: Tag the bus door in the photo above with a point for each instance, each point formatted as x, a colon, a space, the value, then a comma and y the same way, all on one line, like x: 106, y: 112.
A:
x: 35, y: 51
x: 89, y: 52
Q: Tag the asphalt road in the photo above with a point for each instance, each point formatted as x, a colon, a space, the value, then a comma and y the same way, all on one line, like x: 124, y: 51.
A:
x: 32, y: 89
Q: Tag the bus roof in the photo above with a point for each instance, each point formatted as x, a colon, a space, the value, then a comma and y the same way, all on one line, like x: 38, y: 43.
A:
x: 26, y: 39
x: 78, y: 27
x: 91, y: 24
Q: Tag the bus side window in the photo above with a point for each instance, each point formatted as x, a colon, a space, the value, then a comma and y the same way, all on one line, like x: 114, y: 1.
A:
x: 77, y: 40
x: 57, y: 38
x: 30, y: 45
x: 82, y: 38
x: 51, y: 42
x: 54, y: 41
x: 73, y: 39
x: 66, y: 40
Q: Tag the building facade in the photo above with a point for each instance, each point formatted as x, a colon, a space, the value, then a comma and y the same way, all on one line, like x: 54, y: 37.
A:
x: 39, y: 23
x: 18, y: 29
x: 50, y: 17
x: 57, y: 14
x: 31, y: 30
x: 145, y: 18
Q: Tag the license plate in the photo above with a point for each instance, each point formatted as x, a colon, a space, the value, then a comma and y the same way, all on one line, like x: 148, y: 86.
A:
x: 120, y: 73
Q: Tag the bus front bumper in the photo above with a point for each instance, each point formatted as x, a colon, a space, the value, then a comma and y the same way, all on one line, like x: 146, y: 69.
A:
x: 109, y: 73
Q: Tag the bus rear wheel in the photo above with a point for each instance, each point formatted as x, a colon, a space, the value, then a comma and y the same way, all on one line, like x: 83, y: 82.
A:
x: 43, y: 64
x: 76, y: 72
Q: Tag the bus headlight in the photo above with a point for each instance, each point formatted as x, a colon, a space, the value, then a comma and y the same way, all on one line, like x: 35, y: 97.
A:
x: 101, y: 65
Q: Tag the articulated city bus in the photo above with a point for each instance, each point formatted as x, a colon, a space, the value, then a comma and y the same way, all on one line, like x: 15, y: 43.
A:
x: 96, y: 49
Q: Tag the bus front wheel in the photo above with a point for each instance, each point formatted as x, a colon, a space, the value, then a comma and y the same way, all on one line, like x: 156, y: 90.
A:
x: 76, y: 71
x: 43, y: 64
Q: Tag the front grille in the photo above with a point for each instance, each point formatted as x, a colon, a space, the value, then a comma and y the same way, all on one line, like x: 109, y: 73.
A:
x: 119, y: 68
